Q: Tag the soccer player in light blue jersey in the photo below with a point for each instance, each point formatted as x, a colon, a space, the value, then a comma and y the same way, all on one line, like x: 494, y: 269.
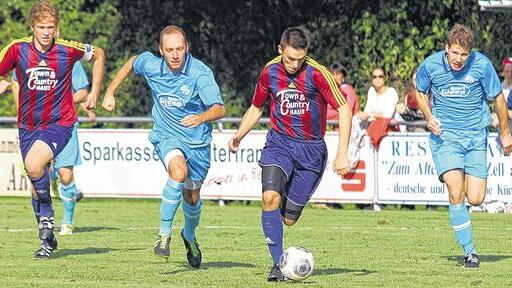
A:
x: 186, y: 99
x: 70, y: 155
x: 461, y: 82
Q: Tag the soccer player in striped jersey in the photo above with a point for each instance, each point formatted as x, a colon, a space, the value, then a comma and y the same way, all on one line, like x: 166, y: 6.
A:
x: 70, y: 155
x: 295, y: 154
x: 43, y: 65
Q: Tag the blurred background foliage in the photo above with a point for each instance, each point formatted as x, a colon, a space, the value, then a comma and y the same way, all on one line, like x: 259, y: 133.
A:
x: 237, y: 37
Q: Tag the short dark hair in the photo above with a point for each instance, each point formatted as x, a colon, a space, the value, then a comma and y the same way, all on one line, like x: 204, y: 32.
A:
x: 296, y: 37
x: 337, y: 67
x: 460, y: 35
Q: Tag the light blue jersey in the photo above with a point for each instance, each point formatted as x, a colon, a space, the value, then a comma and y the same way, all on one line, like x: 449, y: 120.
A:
x: 459, y: 97
x: 176, y: 95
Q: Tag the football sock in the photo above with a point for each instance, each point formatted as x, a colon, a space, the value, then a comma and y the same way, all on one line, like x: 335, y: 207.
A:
x: 42, y: 187
x: 461, y: 224
x: 192, y: 215
x: 171, y: 199
x: 36, y: 208
x: 273, y: 230
x: 68, y: 196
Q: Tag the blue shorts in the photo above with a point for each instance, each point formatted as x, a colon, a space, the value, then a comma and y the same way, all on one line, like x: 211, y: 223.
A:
x: 198, y: 159
x: 464, y: 149
x: 303, y: 162
x: 55, y: 136
x: 70, y: 155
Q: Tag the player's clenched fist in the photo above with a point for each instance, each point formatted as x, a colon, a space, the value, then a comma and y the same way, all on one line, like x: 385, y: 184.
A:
x: 109, y: 103
x: 234, y: 143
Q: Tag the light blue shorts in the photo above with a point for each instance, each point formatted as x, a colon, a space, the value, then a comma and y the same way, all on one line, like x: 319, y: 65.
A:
x: 464, y: 149
x: 70, y: 155
x: 198, y: 159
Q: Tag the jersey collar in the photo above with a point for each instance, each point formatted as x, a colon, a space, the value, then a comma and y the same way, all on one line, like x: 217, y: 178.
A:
x: 185, y: 70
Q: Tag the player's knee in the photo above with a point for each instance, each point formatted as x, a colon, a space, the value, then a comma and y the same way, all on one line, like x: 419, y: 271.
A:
x: 476, y: 201
x: 291, y: 212
x: 34, y: 171
x: 271, y: 200
x: 288, y: 222
x: 66, y: 177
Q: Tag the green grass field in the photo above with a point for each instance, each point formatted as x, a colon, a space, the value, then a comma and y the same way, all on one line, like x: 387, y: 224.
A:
x: 112, y: 247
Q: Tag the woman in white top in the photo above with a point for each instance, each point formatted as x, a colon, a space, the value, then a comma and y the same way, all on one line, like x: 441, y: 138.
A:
x: 382, y: 100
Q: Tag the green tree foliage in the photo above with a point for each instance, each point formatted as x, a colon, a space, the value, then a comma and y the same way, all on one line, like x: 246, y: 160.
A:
x: 237, y: 37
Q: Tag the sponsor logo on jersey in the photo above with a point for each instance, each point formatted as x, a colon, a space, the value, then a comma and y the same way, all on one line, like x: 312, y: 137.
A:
x: 170, y: 101
x: 458, y: 90
x: 41, y: 78
x: 185, y: 90
x: 469, y: 79
x: 293, y: 102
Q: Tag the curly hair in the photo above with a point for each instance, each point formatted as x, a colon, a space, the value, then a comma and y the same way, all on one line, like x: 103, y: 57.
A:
x: 43, y: 9
x: 461, y: 35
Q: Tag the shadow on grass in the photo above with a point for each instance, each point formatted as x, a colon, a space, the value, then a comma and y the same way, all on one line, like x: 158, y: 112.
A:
x: 86, y: 251
x: 335, y: 271
x: 482, y: 258
x: 184, y: 267
x: 92, y: 229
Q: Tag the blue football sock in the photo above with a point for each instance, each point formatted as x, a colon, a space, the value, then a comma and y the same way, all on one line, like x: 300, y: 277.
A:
x: 192, y: 215
x: 171, y: 199
x: 68, y: 196
x: 36, y: 208
x: 273, y: 230
x: 42, y: 187
x: 461, y: 224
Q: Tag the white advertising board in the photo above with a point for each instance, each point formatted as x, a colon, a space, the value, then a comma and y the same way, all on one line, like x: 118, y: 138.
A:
x: 406, y: 172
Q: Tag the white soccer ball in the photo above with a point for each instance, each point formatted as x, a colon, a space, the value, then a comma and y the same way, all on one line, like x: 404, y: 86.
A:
x: 297, y: 263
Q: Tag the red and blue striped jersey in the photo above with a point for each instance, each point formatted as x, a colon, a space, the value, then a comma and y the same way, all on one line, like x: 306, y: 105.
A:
x: 45, y: 96
x: 298, y: 102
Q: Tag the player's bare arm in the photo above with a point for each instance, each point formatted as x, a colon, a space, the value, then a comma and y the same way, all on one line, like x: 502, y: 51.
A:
x: 215, y: 112
x: 15, y: 88
x: 109, y: 102
x: 98, y: 71
x: 341, y: 164
x: 250, y: 119
x: 433, y: 124
x: 505, y: 138
x: 3, y: 86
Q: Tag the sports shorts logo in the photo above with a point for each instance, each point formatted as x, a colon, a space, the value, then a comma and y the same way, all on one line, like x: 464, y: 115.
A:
x: 170, y: 101
x: 293, y: 102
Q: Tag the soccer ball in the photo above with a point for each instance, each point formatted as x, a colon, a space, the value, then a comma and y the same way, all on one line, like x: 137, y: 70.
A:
x: 297, y: 263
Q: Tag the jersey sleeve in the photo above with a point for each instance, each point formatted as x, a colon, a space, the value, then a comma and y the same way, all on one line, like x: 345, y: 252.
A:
x: 139, y: 65
x: 7, y: 59
x: 490, y: 81
x: 79, y: 79
x: 261, y: 91
x: 209, y: 91
x: 423, y: 80
x: 328, y: 88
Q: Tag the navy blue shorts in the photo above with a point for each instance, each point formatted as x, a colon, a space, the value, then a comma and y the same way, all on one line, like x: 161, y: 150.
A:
x: 55, y: 136
x: 303, y: 162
